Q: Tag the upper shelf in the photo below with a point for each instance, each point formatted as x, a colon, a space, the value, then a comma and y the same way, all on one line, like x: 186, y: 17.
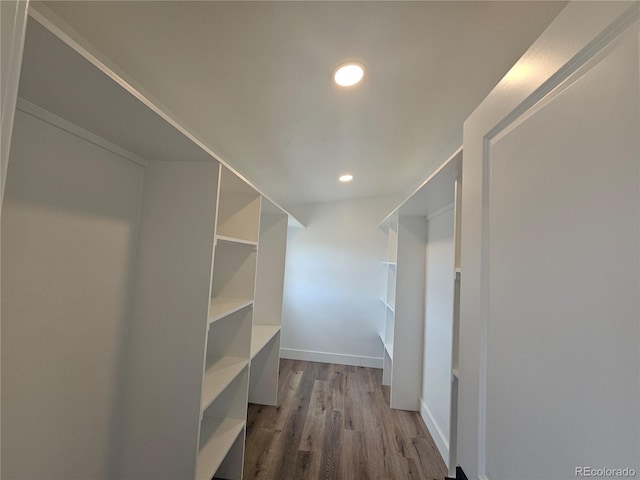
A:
x: 58, y: 79
x: 67, y: 76
x: 269, y: 208
x: 435, y: 193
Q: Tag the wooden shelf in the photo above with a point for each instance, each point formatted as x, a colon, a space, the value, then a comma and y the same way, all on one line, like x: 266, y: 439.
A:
x: 216, y: 438
x: 455, y: 373
x: 221, y: 307
x: 260, y: 336
x: 389, y: 264
x: 239, y: 241
x: 386, y: 304
x: 218, y: 374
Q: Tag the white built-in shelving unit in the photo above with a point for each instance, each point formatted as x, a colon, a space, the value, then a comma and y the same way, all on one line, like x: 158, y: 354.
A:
x: 225, y: 384
x: 402, y: 309
x: 455, y: 347
x: 404, y: 299
x: 200, y: 327
x: 389, y: 298
x: 267, y: 318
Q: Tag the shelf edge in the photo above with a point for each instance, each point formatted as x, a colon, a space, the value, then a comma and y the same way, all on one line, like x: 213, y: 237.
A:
x: 256, y: 351
x: 227, y: 381
x: 236, y: 308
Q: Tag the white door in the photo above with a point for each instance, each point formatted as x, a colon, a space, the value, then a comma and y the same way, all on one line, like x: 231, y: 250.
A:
x: 550, y: 316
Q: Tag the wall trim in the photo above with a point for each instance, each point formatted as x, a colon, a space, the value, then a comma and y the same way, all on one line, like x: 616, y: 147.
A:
x: 441, y: 442
x: 328, y: 357
x: 54, y: 120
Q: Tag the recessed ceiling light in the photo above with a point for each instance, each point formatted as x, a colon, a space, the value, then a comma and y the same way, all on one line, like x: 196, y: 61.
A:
x: 348, y: 74
x: 345, y: 178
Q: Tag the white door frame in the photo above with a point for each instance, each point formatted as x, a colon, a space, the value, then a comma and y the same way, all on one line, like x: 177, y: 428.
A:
x: 580, y: 31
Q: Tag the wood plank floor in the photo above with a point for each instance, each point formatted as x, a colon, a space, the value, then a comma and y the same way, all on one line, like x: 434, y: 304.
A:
x: 334, y: 423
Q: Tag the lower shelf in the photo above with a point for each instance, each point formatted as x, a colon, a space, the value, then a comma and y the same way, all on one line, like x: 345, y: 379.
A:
x: 218, y: 374
x: 260, y: 336
x: 216, y: 438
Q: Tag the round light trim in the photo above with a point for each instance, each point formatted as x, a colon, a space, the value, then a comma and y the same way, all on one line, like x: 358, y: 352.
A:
x: 345, y: 178
x: 348, y: 74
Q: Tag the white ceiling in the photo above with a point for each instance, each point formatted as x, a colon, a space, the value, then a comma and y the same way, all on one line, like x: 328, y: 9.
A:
x: 252, y: 80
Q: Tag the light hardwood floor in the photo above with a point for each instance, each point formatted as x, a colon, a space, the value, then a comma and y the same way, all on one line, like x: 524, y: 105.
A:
x: 334, y: 423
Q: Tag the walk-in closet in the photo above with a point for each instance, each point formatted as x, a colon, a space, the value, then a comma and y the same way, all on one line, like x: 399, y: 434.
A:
x: 319, y: 240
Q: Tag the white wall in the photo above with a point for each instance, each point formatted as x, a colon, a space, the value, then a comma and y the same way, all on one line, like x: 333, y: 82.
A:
x: 436, y: 370
x: 333, y: 283
x: 69, y: 229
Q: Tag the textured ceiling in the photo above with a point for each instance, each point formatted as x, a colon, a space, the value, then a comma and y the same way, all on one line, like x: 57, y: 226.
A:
x: 252, y: 80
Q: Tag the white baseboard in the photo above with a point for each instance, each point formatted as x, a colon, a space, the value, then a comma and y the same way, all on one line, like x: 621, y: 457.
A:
x: 441, y: 442
x: 326, y: 357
